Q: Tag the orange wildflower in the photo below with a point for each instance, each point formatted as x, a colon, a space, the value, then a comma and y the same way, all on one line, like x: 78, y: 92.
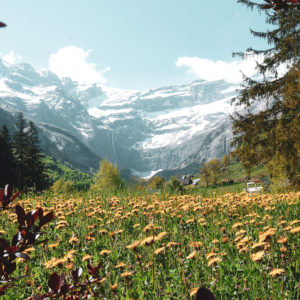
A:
x: 257, y: 256
x: 172, y: 244
x: 53, y: 246
x: 133, y: 245
x: 213, y: 261
x: 192, y: 255
x: 126, y: 274
x: 159, y: 250
x: 282, y: 240
x: 86, y: 257
x: 276, y: 272
x: 105, y: 252
x: 147, y: 241
x: 193, y: 292
x: 74, y: 240
x: 120, y: 265
x: 196, y: 245
x: 114, y: 286
x: 295, y: 230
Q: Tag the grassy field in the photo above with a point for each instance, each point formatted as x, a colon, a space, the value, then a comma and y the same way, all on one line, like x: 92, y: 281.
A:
x: 165, y: 247
x: 212, y: 190
x: 237, y: 174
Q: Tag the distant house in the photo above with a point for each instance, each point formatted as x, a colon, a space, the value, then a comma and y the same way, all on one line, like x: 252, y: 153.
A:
x: 196, y: 181
x: 186, y: 179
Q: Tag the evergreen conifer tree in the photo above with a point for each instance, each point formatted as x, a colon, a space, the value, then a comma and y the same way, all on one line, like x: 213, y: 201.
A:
x: 29, y: 165
x: 7, y: 161
x: 20, y: 143
x: 273, y: 133
x: 36, y: 176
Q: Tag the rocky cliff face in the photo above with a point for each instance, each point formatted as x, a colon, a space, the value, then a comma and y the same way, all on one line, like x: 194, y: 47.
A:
x: 170, y: 127
x: 146, y: 131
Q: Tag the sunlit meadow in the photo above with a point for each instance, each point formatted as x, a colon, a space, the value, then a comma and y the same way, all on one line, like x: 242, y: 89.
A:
x: 166, y: 247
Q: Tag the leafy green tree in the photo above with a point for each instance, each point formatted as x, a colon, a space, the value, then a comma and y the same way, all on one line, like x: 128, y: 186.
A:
x: 205, y: 173
x: 108, y: 178
x: 7, y: 160
x: 215, y: 167
x: 278, y: 174
x: 226, y: 165
x: 273, y: 133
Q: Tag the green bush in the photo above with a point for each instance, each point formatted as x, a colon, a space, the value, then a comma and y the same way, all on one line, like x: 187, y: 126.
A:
x: 157, y: 182
x: 174, y: 185
x: 62, y: 186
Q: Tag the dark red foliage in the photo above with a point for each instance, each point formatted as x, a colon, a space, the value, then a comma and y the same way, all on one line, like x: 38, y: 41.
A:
x: 7, y: 256
x: 8, y: 191
x: 28, y: 231
x: 26, y: 236
x: 7, y: 197
x: 47, y: 218
x: 22, y: 255
x: 21, y: 215
x: 56, y: 282
x: 3, y: 244
x: 94, y: 270
x: 17, y: 238
x: 204, y: 294
x: 12, y: 250
x: 2, y: 289
x: 76, y: 274
x: 31, y: 217
x: 8, y: 253
x: 78, y: 290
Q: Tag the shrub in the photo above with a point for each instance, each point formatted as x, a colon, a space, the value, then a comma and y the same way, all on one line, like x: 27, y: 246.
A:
x: 157, y: 182
x: 174, y: 185
x: 62, y: 186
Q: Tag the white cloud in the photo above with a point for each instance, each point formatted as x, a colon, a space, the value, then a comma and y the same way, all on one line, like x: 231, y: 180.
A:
x: 72, y: 62
x: 107, y: 69
x: 11, y: 58
x: 210, y: 70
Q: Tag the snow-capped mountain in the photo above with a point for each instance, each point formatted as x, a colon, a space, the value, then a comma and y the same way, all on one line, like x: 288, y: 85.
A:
x: 145, y: 131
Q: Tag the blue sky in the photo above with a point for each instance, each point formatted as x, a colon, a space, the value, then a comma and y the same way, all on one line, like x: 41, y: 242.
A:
x: 131, y: 44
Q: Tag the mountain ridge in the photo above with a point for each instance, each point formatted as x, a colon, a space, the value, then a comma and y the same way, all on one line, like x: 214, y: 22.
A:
x: 145, y: 131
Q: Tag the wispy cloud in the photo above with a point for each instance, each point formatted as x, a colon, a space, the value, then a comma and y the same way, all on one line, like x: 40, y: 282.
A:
x: 72, y: 62
x: 11, y: 58
x: 210, y: 70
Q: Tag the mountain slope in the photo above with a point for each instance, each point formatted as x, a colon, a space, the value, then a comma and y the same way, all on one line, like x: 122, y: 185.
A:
x: 58, y: 143
x: 145, y: 131
x: 170, y: 127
